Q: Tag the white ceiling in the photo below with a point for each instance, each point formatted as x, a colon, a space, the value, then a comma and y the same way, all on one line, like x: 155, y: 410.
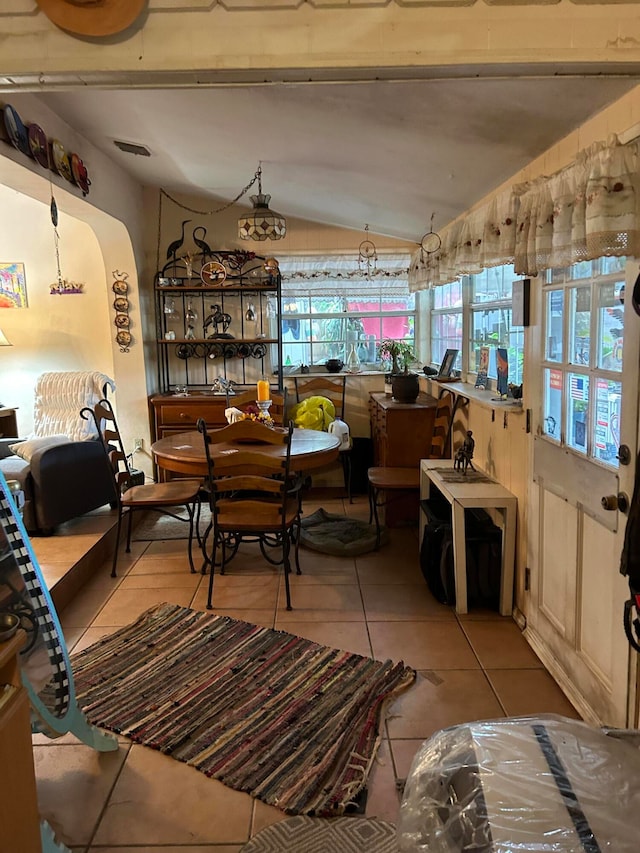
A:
x: 383, y: 153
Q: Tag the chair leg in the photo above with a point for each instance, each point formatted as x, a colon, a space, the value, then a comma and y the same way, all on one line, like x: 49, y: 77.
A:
x: 286, y: 547
x: 213, y: 563
x: 296, y: 542
x: 346, y: 470
x: 191, y: 511
x: 130, y: 519
x: 373, y: 510
x: 115, y: 550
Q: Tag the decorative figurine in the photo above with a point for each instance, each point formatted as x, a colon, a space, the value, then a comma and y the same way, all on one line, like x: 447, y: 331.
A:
x: 172, y: 250
x: 464, y: 454
x: 216, y: 321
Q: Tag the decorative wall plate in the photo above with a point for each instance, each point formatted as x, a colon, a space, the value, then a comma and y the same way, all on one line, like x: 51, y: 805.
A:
x: 79, y: 172
x: 120, y: 287
x: 39, y: 145
x: 61, y: 160
x: 123, y: 338
x: 122, y: 321
x: 121, y: 303
x: 16, y: 130
x: 213, y: 272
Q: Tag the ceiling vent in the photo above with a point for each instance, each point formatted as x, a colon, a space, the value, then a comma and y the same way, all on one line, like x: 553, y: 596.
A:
x: 132, y: 148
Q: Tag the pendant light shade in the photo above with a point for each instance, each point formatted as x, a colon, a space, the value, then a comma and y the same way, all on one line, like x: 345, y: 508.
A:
x: 262, y: 223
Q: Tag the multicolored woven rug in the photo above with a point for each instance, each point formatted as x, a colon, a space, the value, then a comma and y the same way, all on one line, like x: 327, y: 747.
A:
x: 291, y: 722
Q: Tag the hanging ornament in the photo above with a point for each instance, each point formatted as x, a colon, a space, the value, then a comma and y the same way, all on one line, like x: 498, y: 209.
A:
x: 430, y: 243
x: 367, y: 255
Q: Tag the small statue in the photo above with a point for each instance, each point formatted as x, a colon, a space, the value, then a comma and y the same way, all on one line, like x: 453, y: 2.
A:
x: 212, y: 323
x: 464, y: 454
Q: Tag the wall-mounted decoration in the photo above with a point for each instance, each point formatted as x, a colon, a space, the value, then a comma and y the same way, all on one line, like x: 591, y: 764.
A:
x: 31, y: 140
x: 62, y: 287
x: 122, y: 321
x: 13, y: 286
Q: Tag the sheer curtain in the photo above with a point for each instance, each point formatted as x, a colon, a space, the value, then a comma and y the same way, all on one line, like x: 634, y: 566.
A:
x: 587, y: 210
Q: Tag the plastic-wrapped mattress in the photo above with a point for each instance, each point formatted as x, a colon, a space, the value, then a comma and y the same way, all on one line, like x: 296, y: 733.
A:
x: 544, y: 784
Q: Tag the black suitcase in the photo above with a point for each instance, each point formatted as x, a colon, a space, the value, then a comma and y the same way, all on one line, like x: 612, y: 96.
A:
x: 483, y: 552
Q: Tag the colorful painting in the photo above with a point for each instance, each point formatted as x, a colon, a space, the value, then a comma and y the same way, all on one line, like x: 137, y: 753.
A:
x: 502, y: 361
x: 13, y: 286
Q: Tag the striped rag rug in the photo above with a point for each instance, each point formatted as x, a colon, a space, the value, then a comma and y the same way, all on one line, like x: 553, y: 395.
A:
x: 291, y: 722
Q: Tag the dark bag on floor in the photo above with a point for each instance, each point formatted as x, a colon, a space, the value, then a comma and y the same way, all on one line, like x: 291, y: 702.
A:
x: 483, y: 552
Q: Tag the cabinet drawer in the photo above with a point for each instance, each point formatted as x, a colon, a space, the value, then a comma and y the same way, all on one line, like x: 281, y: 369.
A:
x: 188, y: 415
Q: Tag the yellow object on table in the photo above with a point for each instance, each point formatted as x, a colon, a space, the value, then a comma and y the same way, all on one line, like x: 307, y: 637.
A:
x: 264, y: 392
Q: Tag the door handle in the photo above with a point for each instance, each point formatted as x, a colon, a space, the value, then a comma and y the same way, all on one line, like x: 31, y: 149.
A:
x: 614, y: 502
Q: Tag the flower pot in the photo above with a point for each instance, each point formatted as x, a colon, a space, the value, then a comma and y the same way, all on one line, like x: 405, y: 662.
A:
x: 405, y: 387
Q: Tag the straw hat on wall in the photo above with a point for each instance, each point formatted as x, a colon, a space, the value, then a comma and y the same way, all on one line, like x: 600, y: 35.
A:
x: 92, y: 17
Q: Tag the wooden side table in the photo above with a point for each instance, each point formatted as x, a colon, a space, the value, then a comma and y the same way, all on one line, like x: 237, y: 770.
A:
x: 473, y: 495
x: 8, y: 422
x: 18, y: 803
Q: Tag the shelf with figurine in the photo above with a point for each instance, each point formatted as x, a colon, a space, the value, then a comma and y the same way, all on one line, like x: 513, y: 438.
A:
x: 217, y: 314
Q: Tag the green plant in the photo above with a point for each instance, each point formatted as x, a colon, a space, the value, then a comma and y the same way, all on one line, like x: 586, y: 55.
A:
x: 400, y: 354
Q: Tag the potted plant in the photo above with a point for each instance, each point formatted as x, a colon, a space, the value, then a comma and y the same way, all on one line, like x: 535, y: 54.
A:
x: 404, y: 385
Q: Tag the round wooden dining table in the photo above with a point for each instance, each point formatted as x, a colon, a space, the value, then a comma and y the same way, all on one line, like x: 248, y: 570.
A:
x: 183, y: 452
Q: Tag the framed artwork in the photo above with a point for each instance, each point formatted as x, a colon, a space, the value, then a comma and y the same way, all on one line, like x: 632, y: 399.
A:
x: 447, y: 363
x: 13, y: 285
x: 483, y: 368
x: 502, y: 362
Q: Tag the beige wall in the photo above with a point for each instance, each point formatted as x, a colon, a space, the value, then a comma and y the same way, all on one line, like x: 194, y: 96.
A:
x: 247, y: 36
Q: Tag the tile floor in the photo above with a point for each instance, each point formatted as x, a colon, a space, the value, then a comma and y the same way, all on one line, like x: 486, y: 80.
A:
x: 472, y: 667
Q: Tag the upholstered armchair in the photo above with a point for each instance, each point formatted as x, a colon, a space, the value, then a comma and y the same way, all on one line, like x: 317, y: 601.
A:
x: 61, y: 466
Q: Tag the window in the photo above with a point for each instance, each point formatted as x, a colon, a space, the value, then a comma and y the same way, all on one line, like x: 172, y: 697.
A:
x: 484, y: 301
x: 329, y: 306
x: 446, y: 322
x: 582, y: 366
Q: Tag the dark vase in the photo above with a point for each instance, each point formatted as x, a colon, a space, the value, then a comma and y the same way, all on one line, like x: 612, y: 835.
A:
x: 405, y: 387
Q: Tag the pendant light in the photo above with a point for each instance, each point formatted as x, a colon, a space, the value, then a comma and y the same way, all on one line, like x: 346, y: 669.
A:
x: 261, y: 223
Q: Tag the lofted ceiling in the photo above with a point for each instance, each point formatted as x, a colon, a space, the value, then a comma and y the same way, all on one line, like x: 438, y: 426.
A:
x: 387, y: 153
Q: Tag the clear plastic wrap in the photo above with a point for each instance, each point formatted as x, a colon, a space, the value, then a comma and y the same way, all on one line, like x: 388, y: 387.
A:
x: 544, y: 784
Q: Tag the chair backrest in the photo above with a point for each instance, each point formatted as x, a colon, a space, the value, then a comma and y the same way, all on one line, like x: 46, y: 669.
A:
x: 104, y: 421
x: 259, y: 479
x: 278, y: 403
x: 333, y: 389
x: 59, y: 398
x: 441, y: 435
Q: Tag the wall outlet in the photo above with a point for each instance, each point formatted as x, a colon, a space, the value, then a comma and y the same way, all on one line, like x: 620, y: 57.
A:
x: 137, y: 444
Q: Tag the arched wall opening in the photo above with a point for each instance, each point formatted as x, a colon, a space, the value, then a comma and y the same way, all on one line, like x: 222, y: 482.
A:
x: 67, y: 332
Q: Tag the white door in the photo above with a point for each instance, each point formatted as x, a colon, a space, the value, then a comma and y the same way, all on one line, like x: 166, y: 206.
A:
x: 585, y: 376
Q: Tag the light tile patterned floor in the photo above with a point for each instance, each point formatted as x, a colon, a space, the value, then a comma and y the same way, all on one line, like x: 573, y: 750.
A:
x: 377, y: 604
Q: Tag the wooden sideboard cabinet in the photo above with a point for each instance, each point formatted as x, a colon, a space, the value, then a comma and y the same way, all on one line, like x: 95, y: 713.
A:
x: 171, y: 414
x: 19, y: 820
x: 401, y: 435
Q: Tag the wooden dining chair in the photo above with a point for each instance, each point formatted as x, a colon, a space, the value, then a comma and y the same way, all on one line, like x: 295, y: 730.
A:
x: 167, y: 498
x: 334, y: 389
x: 385, y: 484
x: 278, y: 403
x: 253, y: 496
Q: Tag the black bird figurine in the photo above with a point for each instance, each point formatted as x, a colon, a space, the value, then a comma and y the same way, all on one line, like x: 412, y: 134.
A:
x: 204, y: 247
x: 173, y: 247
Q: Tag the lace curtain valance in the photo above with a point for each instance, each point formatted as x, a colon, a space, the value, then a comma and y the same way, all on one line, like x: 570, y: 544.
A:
x: 332, y: 275
x: 589, y: 209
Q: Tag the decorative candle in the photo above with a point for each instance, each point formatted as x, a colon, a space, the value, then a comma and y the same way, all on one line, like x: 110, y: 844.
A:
x: 264, y: 392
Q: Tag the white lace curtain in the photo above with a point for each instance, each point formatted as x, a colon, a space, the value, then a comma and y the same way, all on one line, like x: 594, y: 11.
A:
x: 589, y: 209
x: 333, y: 275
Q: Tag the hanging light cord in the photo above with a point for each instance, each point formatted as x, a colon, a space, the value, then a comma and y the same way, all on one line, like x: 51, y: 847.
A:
x: 164, y: 194
x: 243, y: 191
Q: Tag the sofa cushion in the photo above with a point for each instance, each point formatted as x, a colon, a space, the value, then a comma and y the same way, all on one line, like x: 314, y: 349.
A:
x: 26, y: 449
